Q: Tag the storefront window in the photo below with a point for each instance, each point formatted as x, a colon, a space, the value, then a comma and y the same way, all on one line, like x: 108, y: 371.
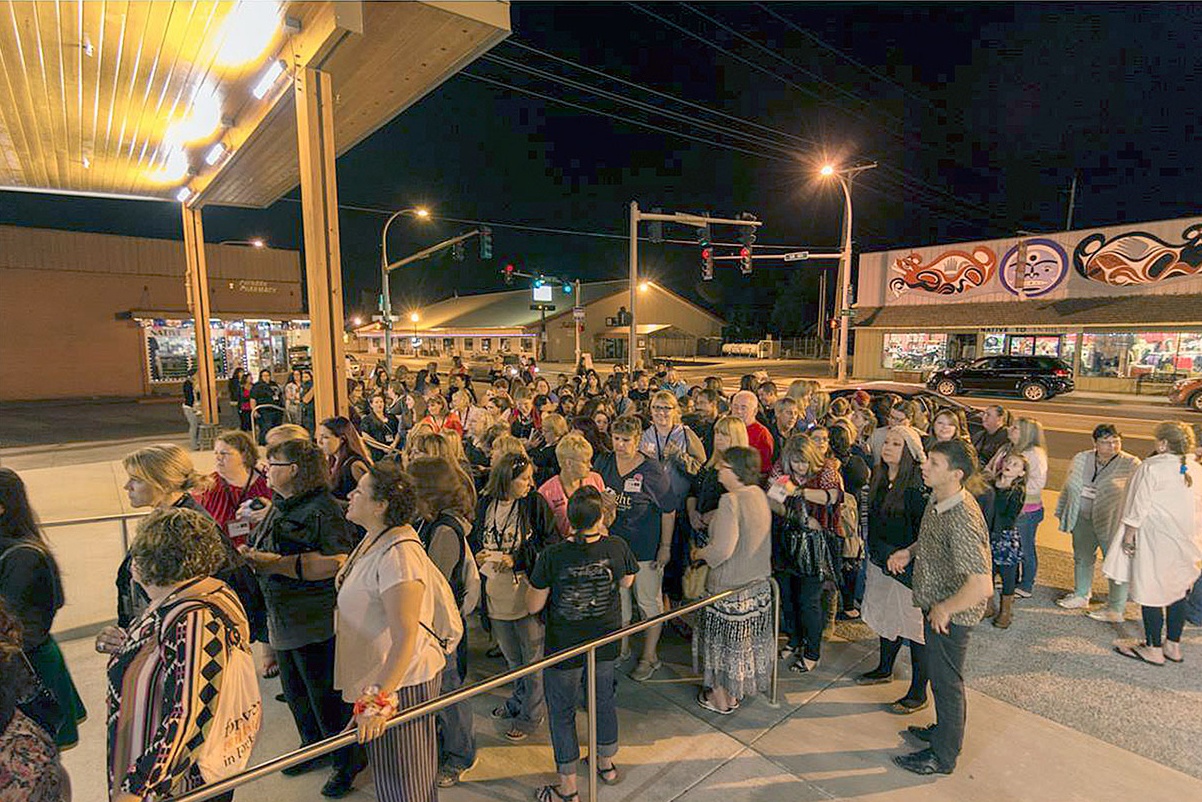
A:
x: 448, y: 345
x: 170, y: 350
x: 994, y: 343
x: 914, y: 351
x: 253, y: 345
x: 486, y: 344
x: 527, y: 344
x: 1136, y: 354
x: 1036, y: 345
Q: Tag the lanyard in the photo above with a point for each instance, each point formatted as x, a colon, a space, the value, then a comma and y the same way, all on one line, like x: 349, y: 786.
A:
x: 1097, y: 470
x: 659, y: 448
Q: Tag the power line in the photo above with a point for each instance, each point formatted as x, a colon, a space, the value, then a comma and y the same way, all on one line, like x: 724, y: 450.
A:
x: 748, y: 138
x: 350, y: 207
x: 665, y: 95
x: 622, y: 118
x: 786, y: 61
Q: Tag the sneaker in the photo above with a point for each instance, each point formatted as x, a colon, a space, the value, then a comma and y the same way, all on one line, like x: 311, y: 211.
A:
x: 1107, y: 615
x: 1022, y: 594
x: 450, y: 776
x: 644, y: 670
x: 1072, y: 601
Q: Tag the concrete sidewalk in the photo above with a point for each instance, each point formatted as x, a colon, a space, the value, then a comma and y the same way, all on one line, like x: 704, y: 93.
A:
x: 828, y: 739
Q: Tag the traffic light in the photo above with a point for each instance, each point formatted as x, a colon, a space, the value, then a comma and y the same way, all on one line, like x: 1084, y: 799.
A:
x: 508, y: 272
x: 567, y: 288
x: 457, y: 252
x: 486, y: 243
x: 747, y: 237
x: 707, y: 263
x: 538, y: 282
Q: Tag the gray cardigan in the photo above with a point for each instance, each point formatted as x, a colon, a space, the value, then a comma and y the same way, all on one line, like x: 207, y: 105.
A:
x: 1111, y: 490
x: 740, y: 540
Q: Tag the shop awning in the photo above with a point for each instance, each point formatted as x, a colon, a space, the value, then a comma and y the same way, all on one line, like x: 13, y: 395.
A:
x: 1114, y: 312
x: 643, y: 329
x: 184, y: 314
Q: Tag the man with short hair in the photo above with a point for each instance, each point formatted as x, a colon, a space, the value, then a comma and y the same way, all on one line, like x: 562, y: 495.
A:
x: 952, y: 580
x: 995, y: 420
x: 786, y: 421
x: 766, y: 395
x: 743, y: 406
x: 701, y: 419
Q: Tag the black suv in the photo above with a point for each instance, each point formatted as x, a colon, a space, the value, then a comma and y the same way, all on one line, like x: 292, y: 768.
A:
x: 1034, y: 378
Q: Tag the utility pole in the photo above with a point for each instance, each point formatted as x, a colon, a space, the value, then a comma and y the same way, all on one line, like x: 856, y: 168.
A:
x: 1072, y: 201
x: 385, y: 291
x: 683, y: 218
x: 578, y: 319
x: 843, y: 295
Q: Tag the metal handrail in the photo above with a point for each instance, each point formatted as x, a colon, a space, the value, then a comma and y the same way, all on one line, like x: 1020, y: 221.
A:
x: 123, y: 517
x: 589, y: 649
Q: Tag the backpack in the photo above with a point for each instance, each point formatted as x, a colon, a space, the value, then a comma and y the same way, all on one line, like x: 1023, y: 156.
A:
x: 447, y: 626
x: 465, y: 577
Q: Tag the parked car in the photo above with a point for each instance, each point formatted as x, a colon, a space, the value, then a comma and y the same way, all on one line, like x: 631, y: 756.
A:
x: 1032, y: 378
x: 479, y: 365
x: 1187, y: 392
x: 932, y: 402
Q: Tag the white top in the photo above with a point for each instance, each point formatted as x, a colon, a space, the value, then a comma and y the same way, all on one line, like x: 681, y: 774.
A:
x: 1037, y: 474
x: 1168, y: 546
x: 740, y: 543
x: 363, y: 635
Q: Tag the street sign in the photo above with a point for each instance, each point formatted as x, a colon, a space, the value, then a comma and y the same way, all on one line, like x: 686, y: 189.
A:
x: 796, y: 256
x: 578, y: 314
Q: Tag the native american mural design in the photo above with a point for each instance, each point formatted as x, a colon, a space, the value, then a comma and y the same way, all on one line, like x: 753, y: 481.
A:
x: 950, y: 273
x: 1045, y: 266
x: 1137, y: 257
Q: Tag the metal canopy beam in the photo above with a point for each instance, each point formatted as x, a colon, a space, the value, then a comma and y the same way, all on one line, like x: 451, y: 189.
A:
x: 197, y: 287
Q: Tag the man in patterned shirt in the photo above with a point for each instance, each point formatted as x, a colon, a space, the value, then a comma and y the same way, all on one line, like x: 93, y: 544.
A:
x: 952, y: 581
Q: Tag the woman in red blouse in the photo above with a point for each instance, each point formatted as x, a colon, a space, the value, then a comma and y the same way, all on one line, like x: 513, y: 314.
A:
x: 439, y: 417
x: 235, y: 481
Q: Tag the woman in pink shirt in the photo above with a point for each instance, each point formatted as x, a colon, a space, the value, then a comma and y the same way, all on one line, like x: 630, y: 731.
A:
x: 575, y: 457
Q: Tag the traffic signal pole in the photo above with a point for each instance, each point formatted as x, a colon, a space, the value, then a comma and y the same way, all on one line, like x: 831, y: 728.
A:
x: 636, y: 216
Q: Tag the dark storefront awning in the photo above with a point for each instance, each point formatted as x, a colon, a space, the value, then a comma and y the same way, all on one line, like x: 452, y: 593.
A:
x: 1122, y: 312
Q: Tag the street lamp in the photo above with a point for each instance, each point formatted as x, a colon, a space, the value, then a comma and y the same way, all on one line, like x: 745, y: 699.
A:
x: 845, y: 178
x: 413, y: 318
x: 386, y: 301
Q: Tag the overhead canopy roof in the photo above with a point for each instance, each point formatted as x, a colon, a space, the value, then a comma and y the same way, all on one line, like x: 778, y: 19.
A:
x: 1121, y: 312
x: 125, y: 98
x: 504, y: 310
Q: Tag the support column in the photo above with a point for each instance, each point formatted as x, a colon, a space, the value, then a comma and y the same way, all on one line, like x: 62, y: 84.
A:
x: 323, y: 261
x: 197, y: 284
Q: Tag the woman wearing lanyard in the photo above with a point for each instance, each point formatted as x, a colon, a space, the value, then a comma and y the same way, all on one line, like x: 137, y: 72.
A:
x: 679, y: 451
x: 1091, y: 508
x: 236, y: 480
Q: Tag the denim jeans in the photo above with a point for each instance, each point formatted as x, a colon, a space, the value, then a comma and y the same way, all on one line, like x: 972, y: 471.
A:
x: 945, y: 655
x: 456, y: 731
x: 521, y: 642
x: 1086, y: 543
x: 1027, y: 525
x: 563, y: 684
x: 801, y: 611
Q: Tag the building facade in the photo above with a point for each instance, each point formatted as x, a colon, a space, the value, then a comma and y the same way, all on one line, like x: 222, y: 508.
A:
x: 1122, y: 305
x: 508, y: 322
x: 101, y: 315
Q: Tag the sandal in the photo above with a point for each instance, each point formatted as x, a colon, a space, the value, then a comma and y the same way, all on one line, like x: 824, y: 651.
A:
x: 549, y: 792
x: 1133, y: 652
x: 270, y: 670
x: 704, y: 701
x: 609, y: 776
x: 1178, y: 659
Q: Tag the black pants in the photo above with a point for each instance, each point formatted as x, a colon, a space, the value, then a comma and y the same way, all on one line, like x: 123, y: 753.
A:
x: 918, y: 668
x: 307, y: 676
x: 801, y: 605
x: 1155, y: 621
x: 945, y: 655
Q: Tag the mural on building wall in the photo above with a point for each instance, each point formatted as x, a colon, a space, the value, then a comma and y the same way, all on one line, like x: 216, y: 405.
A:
x: 950, y: 273
x: 1045, y: 264
x: 1137, y: 257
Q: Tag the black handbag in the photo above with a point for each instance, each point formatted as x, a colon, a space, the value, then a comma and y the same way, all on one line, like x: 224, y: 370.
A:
x: 39, y: 703
x: 805, y: 551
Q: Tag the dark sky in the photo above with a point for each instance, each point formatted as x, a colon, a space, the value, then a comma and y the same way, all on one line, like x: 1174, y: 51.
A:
x: 978, y: 114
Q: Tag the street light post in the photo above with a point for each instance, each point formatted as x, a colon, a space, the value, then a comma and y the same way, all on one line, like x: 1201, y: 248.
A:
x: 386, y: 301
x: 843, y: 302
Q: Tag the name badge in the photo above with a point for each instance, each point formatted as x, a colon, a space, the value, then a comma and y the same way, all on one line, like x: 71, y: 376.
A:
x: 634, y: 484
x: 1089, y: 491
x: 238, y: 528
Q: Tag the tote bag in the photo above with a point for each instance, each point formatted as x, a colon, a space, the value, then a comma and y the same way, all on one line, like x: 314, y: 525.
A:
x: 239, y: 714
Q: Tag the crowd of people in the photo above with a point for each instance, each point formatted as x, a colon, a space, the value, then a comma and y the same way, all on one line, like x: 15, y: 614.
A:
x: 355, y: 551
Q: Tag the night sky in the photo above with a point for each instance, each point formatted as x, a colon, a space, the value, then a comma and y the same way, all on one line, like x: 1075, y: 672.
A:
x: 978, y: 114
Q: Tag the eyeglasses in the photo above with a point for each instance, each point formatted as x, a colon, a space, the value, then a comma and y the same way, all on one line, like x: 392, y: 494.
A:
x: 279, y: 464
x: 661, y: 408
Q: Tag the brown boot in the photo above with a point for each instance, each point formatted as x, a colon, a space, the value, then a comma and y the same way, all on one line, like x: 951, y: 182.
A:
x: 1002, y: 620
x: 991, y: 608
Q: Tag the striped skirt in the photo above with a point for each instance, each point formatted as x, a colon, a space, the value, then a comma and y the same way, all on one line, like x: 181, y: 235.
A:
x: 733, y: 646
x: 404, y: 760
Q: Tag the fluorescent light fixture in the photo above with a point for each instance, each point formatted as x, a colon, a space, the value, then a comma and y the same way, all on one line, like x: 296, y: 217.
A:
x: 184, y: 195
x: 215, y: 153
x: 248, y: 31
x: 268, y: 80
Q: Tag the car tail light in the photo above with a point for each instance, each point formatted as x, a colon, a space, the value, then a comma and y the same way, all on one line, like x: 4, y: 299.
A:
x: 1061, y: 372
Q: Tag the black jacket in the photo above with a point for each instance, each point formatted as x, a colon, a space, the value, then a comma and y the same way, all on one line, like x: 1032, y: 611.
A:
x: 888, y: 533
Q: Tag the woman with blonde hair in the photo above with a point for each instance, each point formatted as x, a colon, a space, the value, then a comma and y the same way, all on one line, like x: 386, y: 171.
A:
x: 706, y: 491
x: 1158, y: 548
x: 1026, y: 438
x: 575, y: 457
x: 160, y: 476
x: 506, y: 444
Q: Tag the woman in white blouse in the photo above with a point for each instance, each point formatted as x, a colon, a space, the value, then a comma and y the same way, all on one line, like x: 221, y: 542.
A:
x: 1159, y: 545
x: 386, y: 658
x: 1026, y: 438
